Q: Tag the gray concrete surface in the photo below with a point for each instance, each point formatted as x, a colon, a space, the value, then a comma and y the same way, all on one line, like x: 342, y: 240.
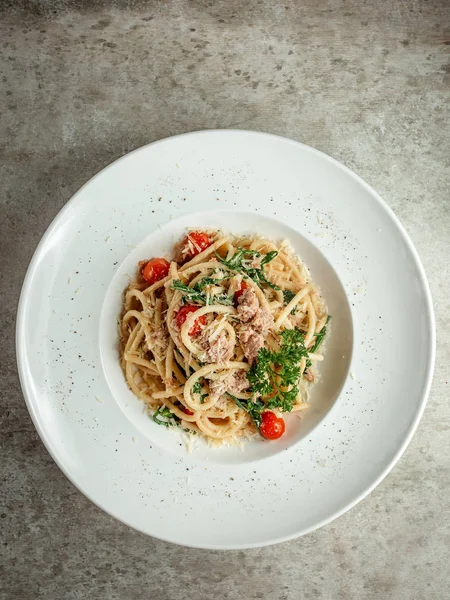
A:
x: 83, y: 83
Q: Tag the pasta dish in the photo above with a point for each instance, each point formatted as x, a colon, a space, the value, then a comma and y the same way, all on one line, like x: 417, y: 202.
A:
x: 224, y: 337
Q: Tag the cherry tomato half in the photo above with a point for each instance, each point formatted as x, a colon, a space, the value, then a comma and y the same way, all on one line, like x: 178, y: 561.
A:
x: 238, y: 293
x: 155, y: 269
x: 181, y: 317
x: 272, y: 427
x: 199, y: 241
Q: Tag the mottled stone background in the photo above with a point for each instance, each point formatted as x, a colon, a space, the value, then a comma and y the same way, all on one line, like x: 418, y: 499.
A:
x: 82, y: 83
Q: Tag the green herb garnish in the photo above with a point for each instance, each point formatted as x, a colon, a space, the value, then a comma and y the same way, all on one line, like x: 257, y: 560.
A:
x: 320, y: 336
x: 206, y: 281
x: 268, y: 257
x: 254, y: 408
x: 287, y: 297
x: 236, y: 262
x: 210, y: 281
x: 241, y: 263
x: 276, y: 374
x: 164, y: 412
x: 189, y: 292
x: 319, y: 339
x: 221, y: 299
x: 195, y: 294
x: 197, y: 389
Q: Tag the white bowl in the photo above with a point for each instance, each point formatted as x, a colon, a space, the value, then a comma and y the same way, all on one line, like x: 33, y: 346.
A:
x: 333, y: 371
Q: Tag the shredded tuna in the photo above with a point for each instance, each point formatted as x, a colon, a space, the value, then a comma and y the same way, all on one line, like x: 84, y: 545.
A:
x: 248, y: 305
x: 219, y: 350
x: 262, y: 321
x: 251, y: 341
x: 235, y: 383
x: 251, y: 331
x: 217, y: 388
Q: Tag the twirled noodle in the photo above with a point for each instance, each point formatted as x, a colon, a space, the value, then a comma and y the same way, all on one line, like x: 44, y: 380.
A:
x: 186, y: 336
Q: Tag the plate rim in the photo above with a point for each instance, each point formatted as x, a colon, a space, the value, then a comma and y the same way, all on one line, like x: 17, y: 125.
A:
x: 20, y: 336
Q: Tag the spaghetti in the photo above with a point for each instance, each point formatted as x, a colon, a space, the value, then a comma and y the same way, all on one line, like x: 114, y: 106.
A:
x: 224, y: 338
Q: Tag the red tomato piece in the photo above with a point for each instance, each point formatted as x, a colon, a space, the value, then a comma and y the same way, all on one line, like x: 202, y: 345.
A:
x: 181, y: 317
x: 199, y: 241
x: 238, y: 293
x: 155, y: 269
x: 272, y: 427
x: 186, y: 410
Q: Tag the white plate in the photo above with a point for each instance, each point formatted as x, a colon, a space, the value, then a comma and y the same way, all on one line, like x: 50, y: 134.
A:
x: 371, y: 278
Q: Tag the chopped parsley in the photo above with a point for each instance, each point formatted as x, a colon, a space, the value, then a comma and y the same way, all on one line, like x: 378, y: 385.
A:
x: 276, y: 374
x: 197, y: 389
x: 241, y: 262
